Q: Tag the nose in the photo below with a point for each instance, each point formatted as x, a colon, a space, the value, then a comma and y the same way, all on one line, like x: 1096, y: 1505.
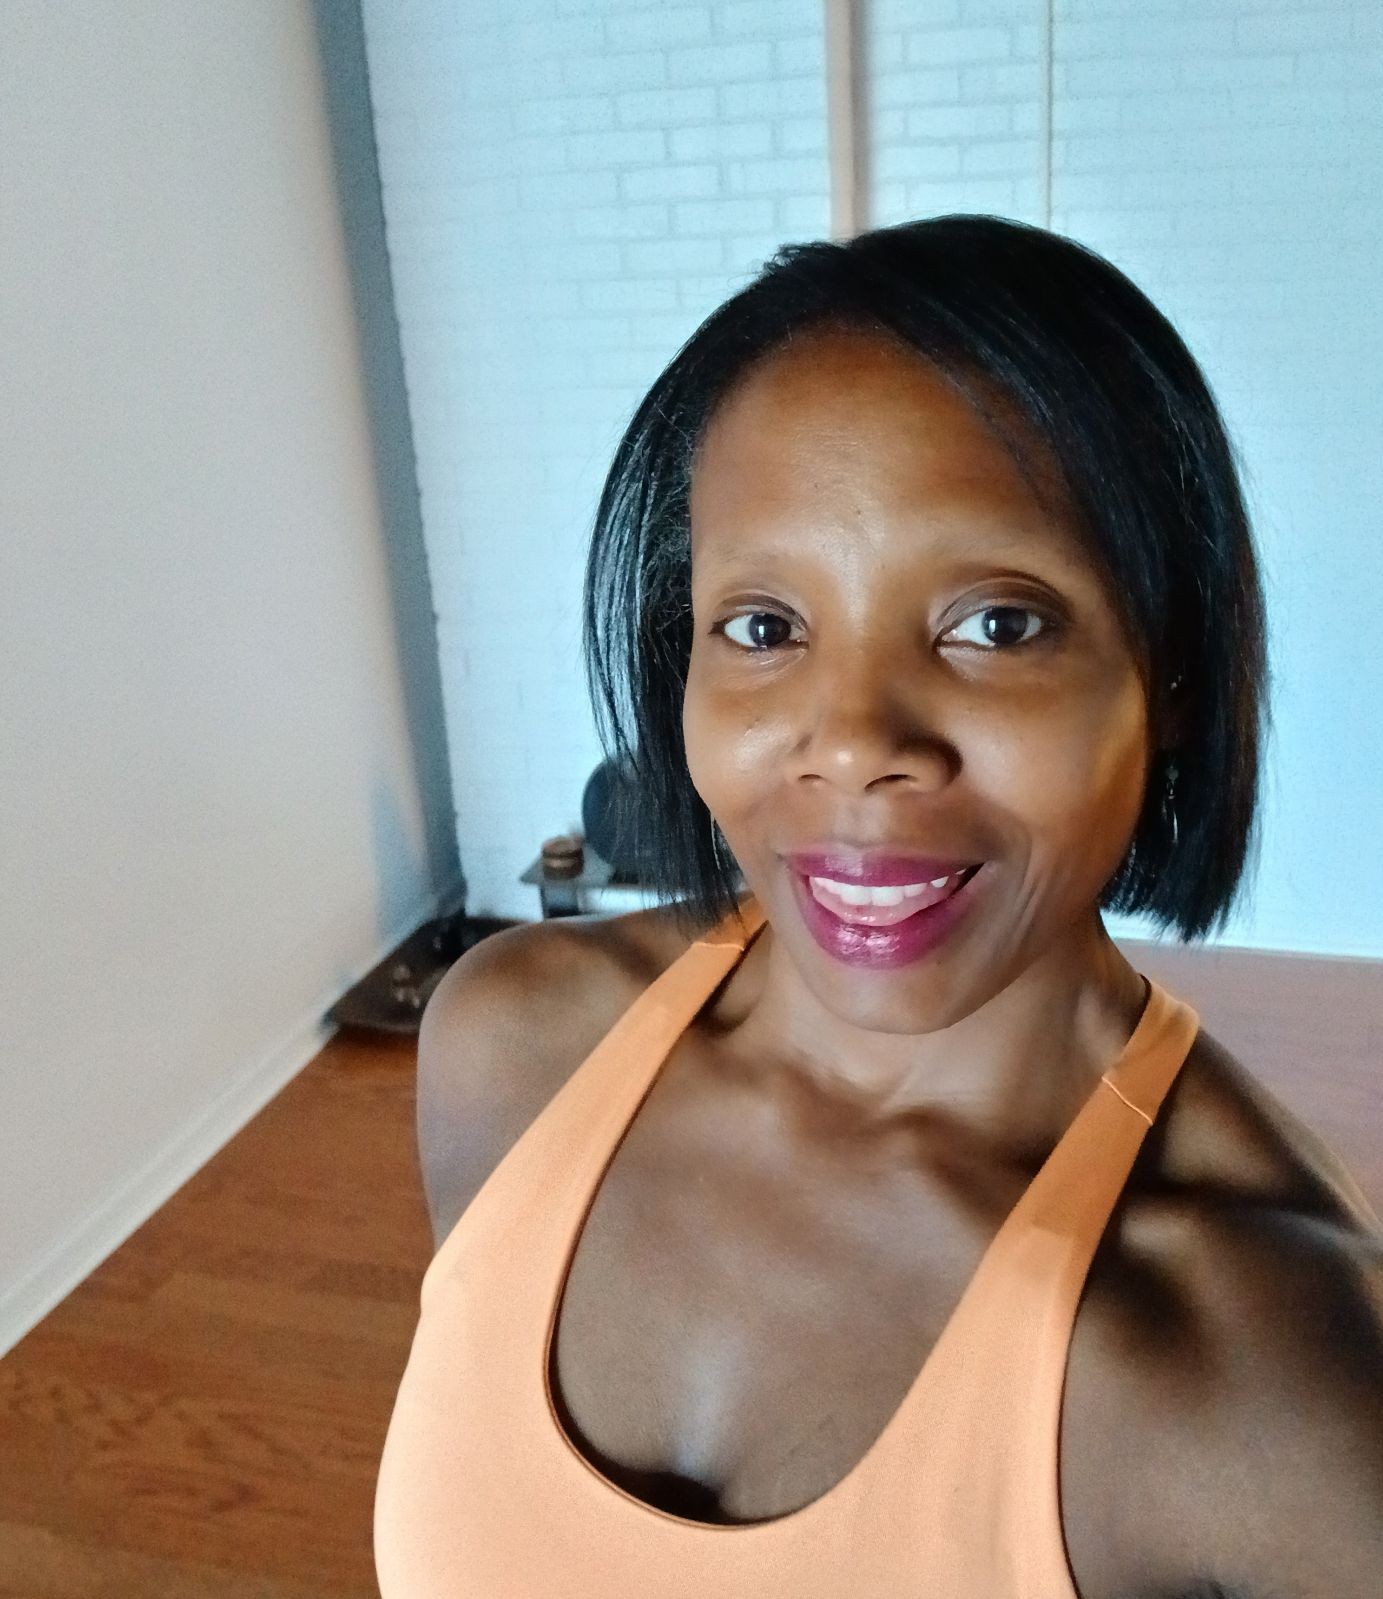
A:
x: 866, y: 724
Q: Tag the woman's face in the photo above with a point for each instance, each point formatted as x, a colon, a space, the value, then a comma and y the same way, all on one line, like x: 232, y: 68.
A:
x: 898, y: 646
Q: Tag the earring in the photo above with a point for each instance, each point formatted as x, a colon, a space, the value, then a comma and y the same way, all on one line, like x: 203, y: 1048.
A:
x: 1169, y: 815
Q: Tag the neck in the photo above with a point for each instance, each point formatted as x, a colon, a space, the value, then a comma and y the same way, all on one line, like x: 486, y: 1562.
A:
x: 1012, y: 1057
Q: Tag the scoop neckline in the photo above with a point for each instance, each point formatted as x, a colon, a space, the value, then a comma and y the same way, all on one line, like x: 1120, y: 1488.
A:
x: 1151, y: 1016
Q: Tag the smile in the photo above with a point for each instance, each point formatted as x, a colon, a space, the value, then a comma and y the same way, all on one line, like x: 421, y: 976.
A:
x: 862, y: 905
x: 884, y: 926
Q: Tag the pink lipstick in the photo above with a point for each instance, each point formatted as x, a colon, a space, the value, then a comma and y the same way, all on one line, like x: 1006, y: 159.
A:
x: 879, y: 910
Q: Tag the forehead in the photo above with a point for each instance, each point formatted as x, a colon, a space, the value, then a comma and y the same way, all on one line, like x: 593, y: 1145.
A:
x: 843, y: 428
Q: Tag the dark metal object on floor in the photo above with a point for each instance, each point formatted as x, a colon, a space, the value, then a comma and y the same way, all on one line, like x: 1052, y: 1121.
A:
x: 390, y: 998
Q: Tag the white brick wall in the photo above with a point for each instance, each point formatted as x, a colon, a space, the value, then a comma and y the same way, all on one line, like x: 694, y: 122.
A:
x: 571, y: 185
x: 570, y: 188
x: 954, y: 92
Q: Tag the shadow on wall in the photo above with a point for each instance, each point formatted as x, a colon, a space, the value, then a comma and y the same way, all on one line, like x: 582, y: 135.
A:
x: 341, y: 39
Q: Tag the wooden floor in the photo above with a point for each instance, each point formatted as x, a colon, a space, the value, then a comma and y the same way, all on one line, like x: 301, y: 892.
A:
x: 203, y: 1417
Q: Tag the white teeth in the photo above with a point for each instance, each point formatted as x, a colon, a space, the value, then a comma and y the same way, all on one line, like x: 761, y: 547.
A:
x: 895, y: 894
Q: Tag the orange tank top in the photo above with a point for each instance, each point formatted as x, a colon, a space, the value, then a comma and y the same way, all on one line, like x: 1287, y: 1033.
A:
x: 481, y: 1495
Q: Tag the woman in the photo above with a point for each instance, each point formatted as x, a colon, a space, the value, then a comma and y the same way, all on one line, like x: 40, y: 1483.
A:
x: 881, y: 1230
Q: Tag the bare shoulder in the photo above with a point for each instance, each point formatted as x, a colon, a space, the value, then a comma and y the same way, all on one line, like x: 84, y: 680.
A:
x: 1240, y: 1303
x: 1224, y: 1129
x: 510, y: 1021
x: 1286, y: 1414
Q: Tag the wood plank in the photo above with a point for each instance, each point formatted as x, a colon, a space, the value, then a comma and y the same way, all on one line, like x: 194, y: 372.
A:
x: 42, y: 1564
x: 205, y: 1414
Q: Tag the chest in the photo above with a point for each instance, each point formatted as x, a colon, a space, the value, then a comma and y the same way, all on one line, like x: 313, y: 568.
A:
x: 751, y: 1299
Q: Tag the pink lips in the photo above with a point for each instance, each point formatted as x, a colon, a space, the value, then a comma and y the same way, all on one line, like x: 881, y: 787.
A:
x: 882, y: 948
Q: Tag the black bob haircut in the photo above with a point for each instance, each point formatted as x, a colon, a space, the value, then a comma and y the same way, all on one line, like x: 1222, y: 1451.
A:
x: 1102, y: 382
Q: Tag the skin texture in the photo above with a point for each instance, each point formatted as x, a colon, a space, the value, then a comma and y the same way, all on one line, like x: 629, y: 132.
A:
x: 814, y: 1176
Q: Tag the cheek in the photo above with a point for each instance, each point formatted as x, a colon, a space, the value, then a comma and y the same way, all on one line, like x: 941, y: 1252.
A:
x: 708, y: 736
x: 731, y: 745
x: 1074, y: 781
x: 695, y: 741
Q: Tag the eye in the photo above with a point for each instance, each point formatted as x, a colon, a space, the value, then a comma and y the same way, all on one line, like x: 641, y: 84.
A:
x: 1005, y: 626
x: 766, y: 630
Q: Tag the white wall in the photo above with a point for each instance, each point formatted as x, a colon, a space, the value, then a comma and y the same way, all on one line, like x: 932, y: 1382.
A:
x: 571, y: 185
x: 212, y: 818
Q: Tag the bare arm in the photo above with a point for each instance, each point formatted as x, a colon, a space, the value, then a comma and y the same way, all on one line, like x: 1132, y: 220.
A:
x: 503, y: 1030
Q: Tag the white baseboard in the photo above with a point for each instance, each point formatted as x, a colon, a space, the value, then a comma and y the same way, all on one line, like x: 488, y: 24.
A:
x: 73, y: 1258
